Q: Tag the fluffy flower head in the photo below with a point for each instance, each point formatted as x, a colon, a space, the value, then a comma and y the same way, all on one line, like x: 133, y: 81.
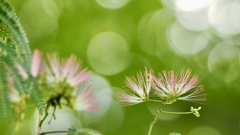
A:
x: 65, y: 70
x: 86, y: 100
x: 171, y: 87
x: 137, y: 89
x: 69, y: 80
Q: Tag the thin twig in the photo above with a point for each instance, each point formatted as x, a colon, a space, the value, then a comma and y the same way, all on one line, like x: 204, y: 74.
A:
x: 152, y: 100
x: 41, y: 121
x: 155, y: 119
x: 176, y: 112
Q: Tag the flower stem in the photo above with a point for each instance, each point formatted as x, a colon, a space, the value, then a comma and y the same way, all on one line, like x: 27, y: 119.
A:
x: 152, y: 100
x: 53, y: 132
x: 155, y: 119
x: 176, y: 112
x: 41, y: 121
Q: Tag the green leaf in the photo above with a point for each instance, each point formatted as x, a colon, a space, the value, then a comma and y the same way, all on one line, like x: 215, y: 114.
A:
x: 174, y: 133
x: 18, y: 82
x: 7, y: 50
x: 9, y: 17
x: 36, y: 94
x: 5, y: 106
x: 72, y: 131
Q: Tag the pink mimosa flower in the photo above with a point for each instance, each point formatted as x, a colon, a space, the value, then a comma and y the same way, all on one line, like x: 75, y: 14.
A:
x: 35, y: 65
x: 68, y: 70
x: 171, y: 87
x: 138, y: 89
x: 86, y: 100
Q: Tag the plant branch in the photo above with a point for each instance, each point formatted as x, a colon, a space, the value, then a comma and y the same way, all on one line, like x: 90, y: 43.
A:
x: 176, y: 112
x: 152, y: 100
x: 155, y: 119
x: 41, y: 121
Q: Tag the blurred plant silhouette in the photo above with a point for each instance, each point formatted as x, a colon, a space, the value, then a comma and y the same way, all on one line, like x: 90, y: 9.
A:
x: 47, y: 83
x: 62, y: 62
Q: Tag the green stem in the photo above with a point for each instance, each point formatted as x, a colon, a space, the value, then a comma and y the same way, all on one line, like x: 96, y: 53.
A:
x: 176, y: 112
x: 155, y: 119
x: 152, y: 100
x: 53, y: 132
x: 41, y: 121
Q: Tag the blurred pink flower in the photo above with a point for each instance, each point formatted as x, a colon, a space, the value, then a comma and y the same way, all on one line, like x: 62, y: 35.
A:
x: 69, y: 71
x: 86, y: 100
x: 35, y: 65
x: 66, y: 70
x: 14, y: 95
x: 138, y: 89
x: 171, y: 87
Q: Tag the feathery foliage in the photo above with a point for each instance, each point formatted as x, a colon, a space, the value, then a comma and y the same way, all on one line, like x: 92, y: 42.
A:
x: 5, y: 107
x: 7, y: 50
x: 8, y: 16
x: 36, y: 94
x: 14, y: 49
x: 19, y: 83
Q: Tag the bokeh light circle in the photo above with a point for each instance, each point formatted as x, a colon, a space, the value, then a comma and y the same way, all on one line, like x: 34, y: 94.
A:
x: 206, y: 130
x: 169, y: 4
x: 224, y: 17
x: 108, y: 53
x: 112, y: 4
x: 223, y: 62
x: 103, y: 92
x: 196, y: 21
x: 50, y: 7
x: 190, y: 5
x: 193, y: 14
x: 186, y: 42
x: 150, y: 28
x: 43, y: 18
x: 146, y: 35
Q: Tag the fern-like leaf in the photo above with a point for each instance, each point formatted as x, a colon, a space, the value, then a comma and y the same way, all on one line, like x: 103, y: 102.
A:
x: 7, y: 50
x: 8, y: 16
x: 9, y: 60
x: 18, y: 81
x: 5, y: 106
x: 36, y: 95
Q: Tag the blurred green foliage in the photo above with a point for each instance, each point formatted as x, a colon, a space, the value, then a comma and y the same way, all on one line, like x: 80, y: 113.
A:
x: 140, y: 32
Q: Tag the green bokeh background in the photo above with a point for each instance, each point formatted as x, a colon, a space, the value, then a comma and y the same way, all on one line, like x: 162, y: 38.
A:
x: 131, y: 38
